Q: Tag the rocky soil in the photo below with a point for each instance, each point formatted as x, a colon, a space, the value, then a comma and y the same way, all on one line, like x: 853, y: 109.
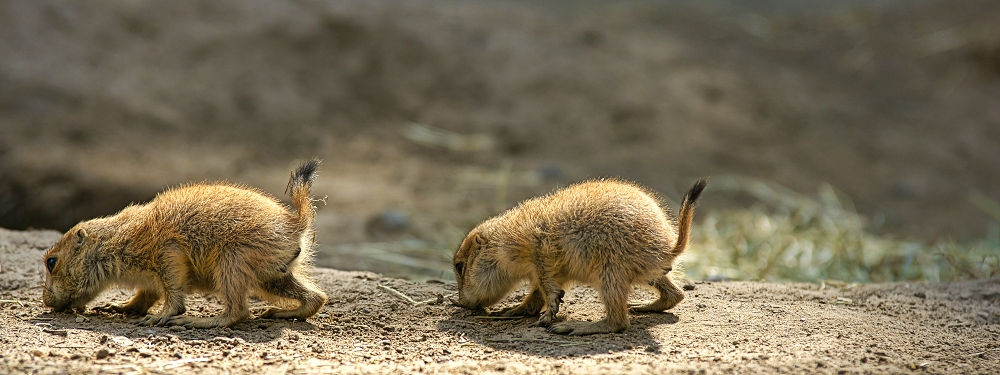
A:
x: 376, y: 324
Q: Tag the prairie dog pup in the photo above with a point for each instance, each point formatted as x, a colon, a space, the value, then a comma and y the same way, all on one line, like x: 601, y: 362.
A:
x: 221, y: 238
x: 609, y: 234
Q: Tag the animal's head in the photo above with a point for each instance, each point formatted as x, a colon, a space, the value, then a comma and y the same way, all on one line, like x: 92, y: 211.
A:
x: 482, y: 281
x: 73, y: 278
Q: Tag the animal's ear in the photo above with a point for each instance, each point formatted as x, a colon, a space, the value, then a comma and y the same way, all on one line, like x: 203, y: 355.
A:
x: 480, y: 240
x: 81, y: 235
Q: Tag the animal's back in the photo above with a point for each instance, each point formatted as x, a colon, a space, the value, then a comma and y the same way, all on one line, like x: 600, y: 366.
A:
x: 607, y: 223
x: 222, y: 212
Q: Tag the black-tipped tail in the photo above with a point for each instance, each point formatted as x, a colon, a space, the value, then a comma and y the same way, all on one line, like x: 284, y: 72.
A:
x: 299, y: 189
x: 303, y: 175
x: 687, y: 215
x: 695, y: 192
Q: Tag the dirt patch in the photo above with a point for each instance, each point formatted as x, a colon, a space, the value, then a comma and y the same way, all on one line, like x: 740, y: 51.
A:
x: 367, y: 328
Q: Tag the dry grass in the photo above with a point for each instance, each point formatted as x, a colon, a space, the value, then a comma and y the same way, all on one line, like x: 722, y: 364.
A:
x: 793, y: 237
x: 786, y: 236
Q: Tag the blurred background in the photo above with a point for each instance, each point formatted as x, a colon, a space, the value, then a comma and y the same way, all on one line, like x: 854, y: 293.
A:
x: 847, y: 140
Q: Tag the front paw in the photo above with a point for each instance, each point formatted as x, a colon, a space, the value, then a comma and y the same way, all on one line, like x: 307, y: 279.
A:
x: 109, y: 308
x: 516, y: 311
x: 155, y: 320
x: 195, y: 322
x: 544, y: 321
x: 276, y: 313
x: 120, y: 309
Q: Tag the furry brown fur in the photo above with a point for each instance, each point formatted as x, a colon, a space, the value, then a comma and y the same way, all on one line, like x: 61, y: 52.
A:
x: 609, y: 234
x: 220, y: 238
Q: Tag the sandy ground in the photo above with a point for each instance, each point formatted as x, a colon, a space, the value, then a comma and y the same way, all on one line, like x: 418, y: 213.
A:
x: 727, y: 327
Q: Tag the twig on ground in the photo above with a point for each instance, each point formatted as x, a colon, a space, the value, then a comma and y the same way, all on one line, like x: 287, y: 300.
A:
x: 57, y: 332
x: 406, y: 297
x: 58, y: 346
x: 12, y: 301
x: 982, y: 352
x: 398, y: 293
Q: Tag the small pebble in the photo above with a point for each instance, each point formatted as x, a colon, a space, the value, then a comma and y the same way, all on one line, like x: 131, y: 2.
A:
x: 226, y: 340
x: 80, y: 319
x: 37, y: 353
x: 102, y: 354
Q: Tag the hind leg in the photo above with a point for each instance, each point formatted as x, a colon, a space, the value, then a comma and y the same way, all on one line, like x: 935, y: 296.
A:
x: 614, y: 294
x: 233, y: 281
x: 296, y: 287
x: 670, y: 296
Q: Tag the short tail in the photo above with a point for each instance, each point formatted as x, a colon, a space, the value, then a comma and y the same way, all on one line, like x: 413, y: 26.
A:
x: 299, y: 189
x: 687, y: 215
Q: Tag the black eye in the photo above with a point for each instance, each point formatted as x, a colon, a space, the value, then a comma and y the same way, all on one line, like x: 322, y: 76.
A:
x: 50, y: 263
x: 458, y: 268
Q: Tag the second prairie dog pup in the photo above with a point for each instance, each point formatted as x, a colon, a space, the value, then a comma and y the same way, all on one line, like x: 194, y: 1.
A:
x: 220, y: 238
x: 608, y: 233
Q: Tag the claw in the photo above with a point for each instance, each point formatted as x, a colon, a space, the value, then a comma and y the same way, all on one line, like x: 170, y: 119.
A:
x: 543, y: 322
x: 153, y: 320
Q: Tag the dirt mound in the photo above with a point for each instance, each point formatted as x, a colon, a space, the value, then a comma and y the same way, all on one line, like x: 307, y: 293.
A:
x: 368, y: 328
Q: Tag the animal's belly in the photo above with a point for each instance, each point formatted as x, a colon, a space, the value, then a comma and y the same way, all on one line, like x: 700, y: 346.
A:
x: 197, y: 282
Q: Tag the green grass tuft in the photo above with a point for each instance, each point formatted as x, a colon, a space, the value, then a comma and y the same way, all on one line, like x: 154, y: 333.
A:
x: 792, y: 237
x: 785, y: 236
